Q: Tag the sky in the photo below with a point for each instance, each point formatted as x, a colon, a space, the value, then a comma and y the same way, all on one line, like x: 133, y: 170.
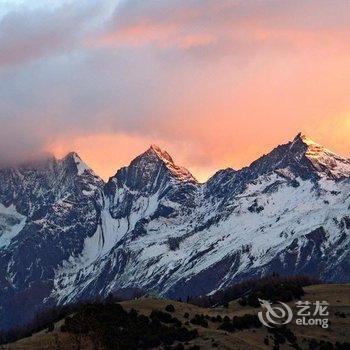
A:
x: 215, y: 83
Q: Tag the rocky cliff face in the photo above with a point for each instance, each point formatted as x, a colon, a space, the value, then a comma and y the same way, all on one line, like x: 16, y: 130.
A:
x: 67, y: 236
x: 48, y: 209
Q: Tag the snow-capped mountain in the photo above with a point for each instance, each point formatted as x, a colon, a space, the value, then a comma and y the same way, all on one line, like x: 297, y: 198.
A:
x: 67, y: 236
x: 46, y: 211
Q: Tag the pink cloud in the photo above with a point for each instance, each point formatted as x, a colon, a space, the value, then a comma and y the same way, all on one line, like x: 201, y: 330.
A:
x: 216, y: 83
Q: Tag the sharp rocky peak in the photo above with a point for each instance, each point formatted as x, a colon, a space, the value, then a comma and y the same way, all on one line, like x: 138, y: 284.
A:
x: 299, y: 158
x: 155, y: 154
x: 324, y: 161
x: 73, y: 161
x: 72, y: 155
x: 302, y: 139
x: 161, y: 154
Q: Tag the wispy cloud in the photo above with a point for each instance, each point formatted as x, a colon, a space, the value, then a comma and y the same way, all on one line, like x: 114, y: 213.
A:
x: 27, y: 34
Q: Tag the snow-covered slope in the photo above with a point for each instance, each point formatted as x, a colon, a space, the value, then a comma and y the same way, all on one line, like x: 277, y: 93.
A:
x: 153, y: 226
x: 11, y: 223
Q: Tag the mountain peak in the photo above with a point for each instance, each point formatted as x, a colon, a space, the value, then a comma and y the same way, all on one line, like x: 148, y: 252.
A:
x: 300, y: 137
x: 74, y: 158
x: 323, y: 160
x: 161, y: 154
x: 155, y: 156
x: 313, y: 149
x: 179, y: 172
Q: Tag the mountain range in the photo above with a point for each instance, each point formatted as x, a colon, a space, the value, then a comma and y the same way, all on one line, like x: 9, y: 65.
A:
x: 67, y: 236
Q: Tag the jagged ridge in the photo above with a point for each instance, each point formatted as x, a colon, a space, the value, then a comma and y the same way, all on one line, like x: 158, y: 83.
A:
x: 152, y: 226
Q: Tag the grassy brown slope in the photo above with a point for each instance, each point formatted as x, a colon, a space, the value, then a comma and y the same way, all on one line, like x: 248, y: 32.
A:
x: 337, y: 295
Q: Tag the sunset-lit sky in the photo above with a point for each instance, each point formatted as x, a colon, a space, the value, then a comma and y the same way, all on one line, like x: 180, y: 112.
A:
x: 216, y: 83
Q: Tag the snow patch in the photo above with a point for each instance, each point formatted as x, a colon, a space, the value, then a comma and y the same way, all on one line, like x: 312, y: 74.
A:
x: 11, y: 224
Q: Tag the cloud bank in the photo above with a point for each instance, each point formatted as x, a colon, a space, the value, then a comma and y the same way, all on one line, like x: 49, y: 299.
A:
x: 215, y: 83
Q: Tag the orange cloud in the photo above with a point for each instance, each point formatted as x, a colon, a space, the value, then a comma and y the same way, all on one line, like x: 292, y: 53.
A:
x: 106, y: 153
x: 215, y: 83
